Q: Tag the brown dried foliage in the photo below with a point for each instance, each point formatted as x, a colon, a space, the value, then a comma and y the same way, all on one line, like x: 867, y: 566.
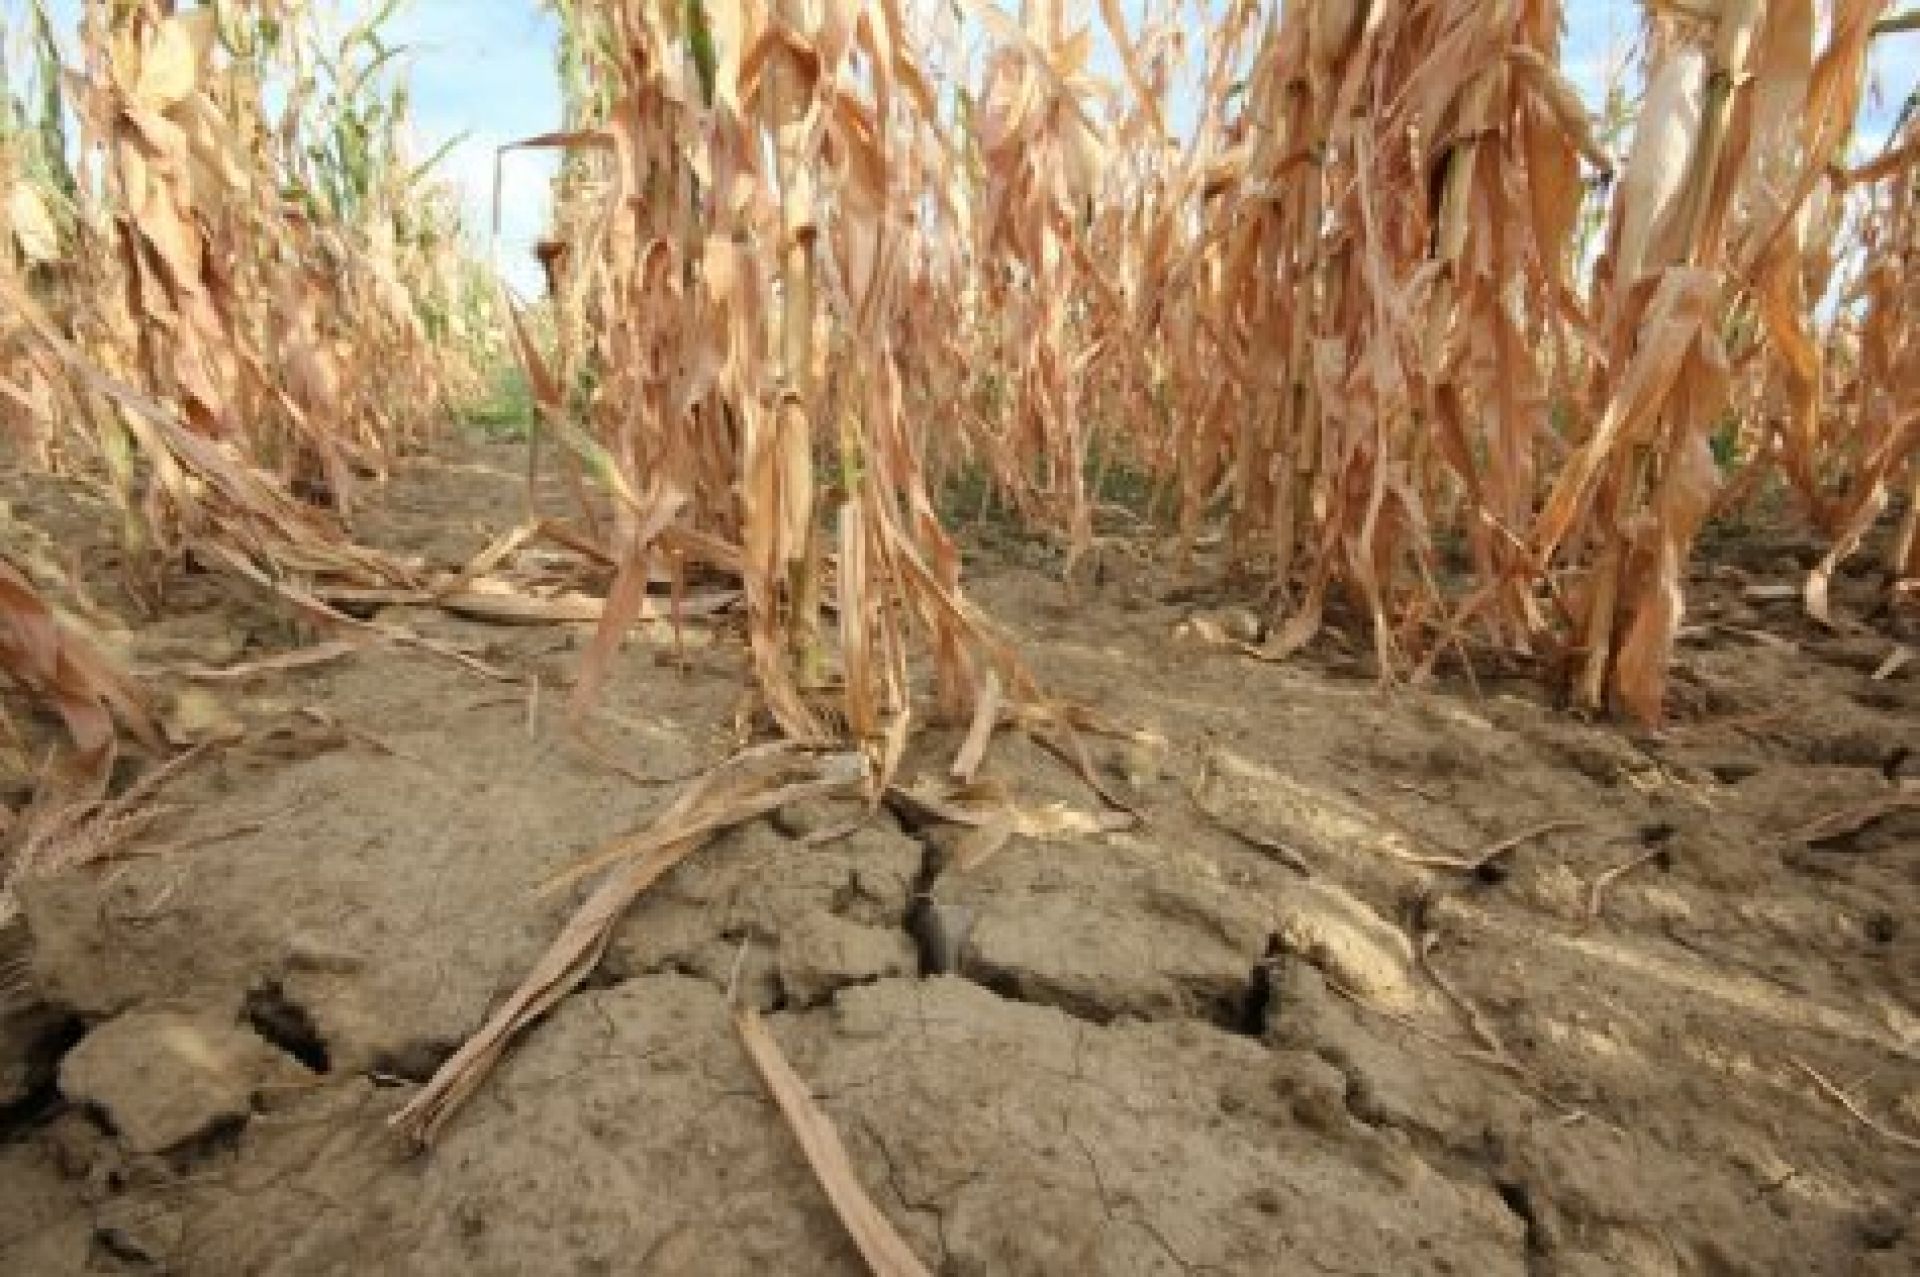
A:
x: 814, y: 257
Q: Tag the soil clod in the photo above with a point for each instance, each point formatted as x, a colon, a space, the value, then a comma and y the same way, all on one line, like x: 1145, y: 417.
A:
x: 162, y: 1079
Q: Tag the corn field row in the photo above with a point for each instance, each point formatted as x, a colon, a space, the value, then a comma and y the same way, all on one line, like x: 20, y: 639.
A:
x: 1363, y: 291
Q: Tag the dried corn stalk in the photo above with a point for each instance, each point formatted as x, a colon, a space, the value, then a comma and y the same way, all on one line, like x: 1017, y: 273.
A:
x: 1710, y: 215
x: 223, y: 317
x: 1875, y: 445
x: 286, y: 289
x: 744, y: 289
x: 1319, y: 271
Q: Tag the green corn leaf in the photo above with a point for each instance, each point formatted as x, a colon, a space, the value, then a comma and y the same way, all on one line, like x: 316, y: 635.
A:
x: 700, y: 43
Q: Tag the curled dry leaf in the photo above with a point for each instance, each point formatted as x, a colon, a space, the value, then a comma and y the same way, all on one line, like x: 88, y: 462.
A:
x: 46, y: 655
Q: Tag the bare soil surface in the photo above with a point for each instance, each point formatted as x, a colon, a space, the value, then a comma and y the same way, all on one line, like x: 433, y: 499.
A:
x: 1410, y: 980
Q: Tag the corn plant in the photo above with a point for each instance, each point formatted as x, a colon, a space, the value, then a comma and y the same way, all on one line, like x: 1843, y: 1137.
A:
x: 1363, y: 291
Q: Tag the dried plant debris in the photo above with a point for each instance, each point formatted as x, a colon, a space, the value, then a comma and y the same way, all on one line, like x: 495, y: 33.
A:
x: 886, y: 1254
x: 750, y: 784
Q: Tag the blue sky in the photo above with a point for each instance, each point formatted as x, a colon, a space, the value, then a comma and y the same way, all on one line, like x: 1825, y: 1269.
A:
x: 485, y: 69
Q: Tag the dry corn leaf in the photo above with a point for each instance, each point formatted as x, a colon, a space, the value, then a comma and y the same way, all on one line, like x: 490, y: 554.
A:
x: 32, y: 225
x: 873, y: 1234
x: 52, y: 661
x: 1851, y: 820
x: 280, y: 663
x: 498, y: 601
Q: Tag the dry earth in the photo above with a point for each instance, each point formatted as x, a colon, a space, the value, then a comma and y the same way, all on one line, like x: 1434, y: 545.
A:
x: 1273, y: 1029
